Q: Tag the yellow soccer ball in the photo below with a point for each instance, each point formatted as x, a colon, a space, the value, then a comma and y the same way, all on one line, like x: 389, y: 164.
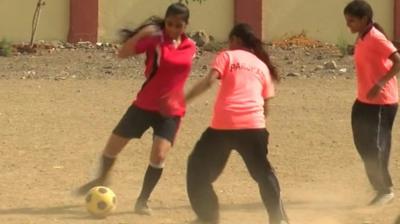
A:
x: 100, y: 201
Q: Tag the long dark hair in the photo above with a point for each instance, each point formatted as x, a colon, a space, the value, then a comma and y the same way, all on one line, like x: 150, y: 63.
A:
x: 361, y: 9
x: 249, y: 40
x: 172, y: 10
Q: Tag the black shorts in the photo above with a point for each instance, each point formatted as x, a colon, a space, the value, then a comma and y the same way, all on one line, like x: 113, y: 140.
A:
x: 136, y: 121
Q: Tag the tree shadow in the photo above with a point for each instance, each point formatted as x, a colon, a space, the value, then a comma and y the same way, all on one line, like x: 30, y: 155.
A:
x: 397, y: 220
x: 78, y: 212
x: 251, y: 206
x: 58, y: 210
x: 319, y: 205
x: 68, y: 211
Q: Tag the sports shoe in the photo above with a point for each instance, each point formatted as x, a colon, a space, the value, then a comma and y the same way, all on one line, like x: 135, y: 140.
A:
x: 382, y: 199
x: 84, y: 189
x: 142, y: 208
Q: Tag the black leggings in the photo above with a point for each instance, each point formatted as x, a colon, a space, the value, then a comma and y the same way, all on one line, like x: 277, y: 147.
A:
x: 209, y: 158
x: 372, y: 132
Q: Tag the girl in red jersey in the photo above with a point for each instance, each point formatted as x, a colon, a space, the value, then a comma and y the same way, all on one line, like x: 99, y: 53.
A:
x: 377, y: 63
x: 168, y: 64
x: 246, y: 76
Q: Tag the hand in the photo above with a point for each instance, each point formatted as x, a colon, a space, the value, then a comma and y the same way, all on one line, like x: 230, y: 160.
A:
x: 373, y: 93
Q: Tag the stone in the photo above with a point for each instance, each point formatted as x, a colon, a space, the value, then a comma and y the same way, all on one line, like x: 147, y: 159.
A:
x: 330, y: 65
x: 69, y: 46
x: 293, y: 74
x: 319, y: 67
x: 213, y: 46
x: 204, y: 67
x: 200, y: 37
x: 343, y: 70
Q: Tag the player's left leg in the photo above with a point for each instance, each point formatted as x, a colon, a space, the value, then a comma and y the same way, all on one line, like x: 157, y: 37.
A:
x: 384, y: 181
x: 253, y: 149
x: 165, y: 130
x: 159, y: 152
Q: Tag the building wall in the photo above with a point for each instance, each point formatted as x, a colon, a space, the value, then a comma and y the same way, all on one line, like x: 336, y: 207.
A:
x: 320, y: 19
x: 213, y: 16
x: 16, y: 20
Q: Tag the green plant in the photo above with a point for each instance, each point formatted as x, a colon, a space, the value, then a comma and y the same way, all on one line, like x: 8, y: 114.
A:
x: 5, y: 48
x: 343, y: 45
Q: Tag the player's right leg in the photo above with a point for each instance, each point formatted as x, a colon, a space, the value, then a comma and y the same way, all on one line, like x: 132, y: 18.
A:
x: 114, y: 146
x: 205, y: 164
x: 132, y: 125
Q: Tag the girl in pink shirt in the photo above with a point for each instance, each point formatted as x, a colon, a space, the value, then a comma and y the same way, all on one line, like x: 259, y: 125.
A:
x: 168, y: 64
x: 377, y: 63
x: 246, y: 76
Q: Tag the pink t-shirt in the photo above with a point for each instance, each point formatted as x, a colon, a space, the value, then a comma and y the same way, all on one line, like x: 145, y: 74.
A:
x: 245, y: 84
x: 372, y: 61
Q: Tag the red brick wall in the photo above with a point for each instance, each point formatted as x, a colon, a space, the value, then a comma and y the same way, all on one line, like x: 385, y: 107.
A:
x: 397, y: 22
x: 250, y: 11
x: 84, y: 20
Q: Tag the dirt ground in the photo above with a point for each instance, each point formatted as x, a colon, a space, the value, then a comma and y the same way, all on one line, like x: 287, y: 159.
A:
x: 57, y: 110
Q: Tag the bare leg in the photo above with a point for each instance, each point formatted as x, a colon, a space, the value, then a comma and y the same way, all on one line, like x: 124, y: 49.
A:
x: 114, y: 146
x: 159, y: 151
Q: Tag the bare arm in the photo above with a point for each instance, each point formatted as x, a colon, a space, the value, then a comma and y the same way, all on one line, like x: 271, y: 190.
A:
x: 392, y: 72
x: 202, y: 86
x: 128, y: 48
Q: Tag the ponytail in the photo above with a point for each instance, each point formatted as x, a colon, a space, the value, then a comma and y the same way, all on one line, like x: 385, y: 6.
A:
x: 245, y: 33
x: 263, y: 55
x: 126, y: 34
x: 380, y: 28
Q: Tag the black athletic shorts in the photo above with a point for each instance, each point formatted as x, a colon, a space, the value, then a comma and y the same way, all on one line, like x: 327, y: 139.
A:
x: 136, y: 121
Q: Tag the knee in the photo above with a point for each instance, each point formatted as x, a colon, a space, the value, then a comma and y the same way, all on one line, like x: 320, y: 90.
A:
x: 262, y: 176
x: 258, y: 177
x: 159, y: 151
x: 158, y: 157
x: 194, y: 160
x: 158, y: 160
x: 193, y: 166
x: 197, y: 173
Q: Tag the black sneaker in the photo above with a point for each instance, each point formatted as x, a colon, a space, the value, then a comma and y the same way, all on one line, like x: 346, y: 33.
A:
x: 142, y: 208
